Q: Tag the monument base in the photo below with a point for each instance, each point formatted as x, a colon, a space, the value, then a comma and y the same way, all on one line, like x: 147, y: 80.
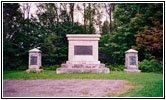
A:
x: 82, y: 68
x: 34, y: 70
x: 132, y: 70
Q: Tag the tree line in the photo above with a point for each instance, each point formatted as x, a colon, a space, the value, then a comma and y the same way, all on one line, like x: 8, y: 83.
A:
x: 134, y: 25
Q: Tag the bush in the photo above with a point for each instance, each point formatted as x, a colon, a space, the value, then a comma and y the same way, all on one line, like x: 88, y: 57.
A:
x: 50, y: 67
x: 23, y: 67
x: 150, y: 66
x: 115, y: 67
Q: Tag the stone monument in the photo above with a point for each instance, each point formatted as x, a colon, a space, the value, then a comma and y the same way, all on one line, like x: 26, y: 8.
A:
x: 131, y: 61
x: 34, y: 61
x: 83, y: 55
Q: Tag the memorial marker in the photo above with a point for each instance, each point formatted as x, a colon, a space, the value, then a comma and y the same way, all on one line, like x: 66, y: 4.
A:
x: 82, y: 50
x: 131, y: 61
x: 34, y: 61
x: 82, y: 55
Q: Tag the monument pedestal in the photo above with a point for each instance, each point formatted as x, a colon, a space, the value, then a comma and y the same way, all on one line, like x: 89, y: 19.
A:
x: 34, y: 70
x: 83, y: 55
x: 83, y: 68
x: 132, y: 70
x: 131, y: 61
x: 34, y: 61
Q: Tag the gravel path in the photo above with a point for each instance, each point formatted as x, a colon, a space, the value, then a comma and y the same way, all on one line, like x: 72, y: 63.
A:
x: 60, y: 88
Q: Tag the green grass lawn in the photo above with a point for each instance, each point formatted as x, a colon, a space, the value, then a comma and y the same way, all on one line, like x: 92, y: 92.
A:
x: 147, y: 84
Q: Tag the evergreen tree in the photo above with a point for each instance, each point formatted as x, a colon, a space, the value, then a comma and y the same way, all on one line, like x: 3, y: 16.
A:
x: 149, y: 27
x: 105, y: 28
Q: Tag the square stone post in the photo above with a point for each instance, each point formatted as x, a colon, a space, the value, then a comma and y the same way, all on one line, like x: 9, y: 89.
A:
x: 34, y: 61
x: 131, y: 61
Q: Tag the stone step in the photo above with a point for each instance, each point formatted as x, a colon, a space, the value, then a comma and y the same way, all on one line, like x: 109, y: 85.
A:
x: 83, y: 66
x: 82, y: 70
x: 132, y: 70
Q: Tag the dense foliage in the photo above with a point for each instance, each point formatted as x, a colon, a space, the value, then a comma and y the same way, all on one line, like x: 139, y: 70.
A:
x: 150, y: 30
x: 138, y: 26
x: 150, y: 66
x: 19, y: 35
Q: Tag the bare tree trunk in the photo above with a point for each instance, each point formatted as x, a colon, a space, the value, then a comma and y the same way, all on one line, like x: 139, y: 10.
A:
x: 109, y: 9
x: 72, y: 12
x: 84, y: 18
x: 110, y: 16
x: 90, y: 20
x: 115, y: 22
x: 57, y: 15
x: 26, y: 9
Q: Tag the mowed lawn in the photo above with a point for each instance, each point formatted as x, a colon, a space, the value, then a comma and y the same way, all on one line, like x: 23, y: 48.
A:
x: 146, y: 84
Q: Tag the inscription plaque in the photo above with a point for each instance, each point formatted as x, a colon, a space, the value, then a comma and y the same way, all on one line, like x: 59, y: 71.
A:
x: 82, y: 50
x: 33, y: 60
x: 132, y: 60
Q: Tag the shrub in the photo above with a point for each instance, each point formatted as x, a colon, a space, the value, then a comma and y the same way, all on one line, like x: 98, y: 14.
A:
x: 150, y: 66
x: 50, y: 67
x: 115, y: 67
x: 23, y: 67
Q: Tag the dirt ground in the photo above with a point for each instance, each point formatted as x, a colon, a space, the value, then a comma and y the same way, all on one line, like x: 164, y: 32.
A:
x: 60, y: 88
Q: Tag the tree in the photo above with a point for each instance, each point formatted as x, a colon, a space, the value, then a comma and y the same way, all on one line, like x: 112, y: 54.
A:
x: 91, y: 10
x: 9, y: 12
x: 26, y: 10
x: 10, y: 30
x: 14, y: 40
x: 135, y: 19
x: 85, y: 30
x: 72, y: 12
x: 105, y: 28
x: 150, y: 32
x: 54, y: 42
x: 47, y: 14
x: 110, y: 7
x: 105, y: 50
x: 123, y: 37
x: 54, y: 49
x: 20, y: 35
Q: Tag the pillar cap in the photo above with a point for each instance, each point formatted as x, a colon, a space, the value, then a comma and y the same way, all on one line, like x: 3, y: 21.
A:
x: 131, y: 51
x: 83, y: 35
x: 34, y: 50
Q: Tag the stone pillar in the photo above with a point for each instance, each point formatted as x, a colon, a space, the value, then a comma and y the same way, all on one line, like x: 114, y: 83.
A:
x: 34, y: 61
x: 131, y: 61
x: 83, y: 55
